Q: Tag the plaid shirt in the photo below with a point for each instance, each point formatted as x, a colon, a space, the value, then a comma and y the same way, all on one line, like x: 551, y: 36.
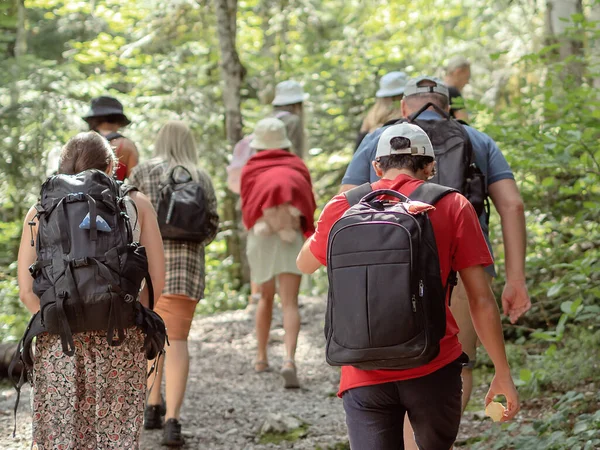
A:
x: 185, y: 268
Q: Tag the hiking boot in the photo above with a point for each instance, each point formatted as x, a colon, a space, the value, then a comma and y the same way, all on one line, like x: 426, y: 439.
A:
x: 172, y: 434
x: 153, y: 416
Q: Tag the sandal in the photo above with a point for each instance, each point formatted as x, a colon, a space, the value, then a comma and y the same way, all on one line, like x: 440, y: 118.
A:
x: 261, y: 366
x: 290, y: 377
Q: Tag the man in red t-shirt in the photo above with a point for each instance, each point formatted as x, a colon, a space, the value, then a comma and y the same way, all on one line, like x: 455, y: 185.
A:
x: 376, y: 401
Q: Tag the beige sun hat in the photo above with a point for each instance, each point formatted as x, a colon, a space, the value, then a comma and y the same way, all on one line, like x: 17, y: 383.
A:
x: 270, y: 134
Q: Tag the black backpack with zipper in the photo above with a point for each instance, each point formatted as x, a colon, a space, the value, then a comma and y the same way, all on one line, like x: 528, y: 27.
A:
x: 386, y: 305
x: 89, y: 270
x: 454, y: 156
x: 182, y: 210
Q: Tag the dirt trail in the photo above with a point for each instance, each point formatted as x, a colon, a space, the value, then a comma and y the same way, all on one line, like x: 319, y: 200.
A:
x: 227, y: 402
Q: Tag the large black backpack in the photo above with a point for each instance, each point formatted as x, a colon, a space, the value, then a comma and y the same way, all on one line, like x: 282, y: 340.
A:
x: 88, y: 271
x: 455, y: 160
x: 386, y: 305
x: 182, y: 209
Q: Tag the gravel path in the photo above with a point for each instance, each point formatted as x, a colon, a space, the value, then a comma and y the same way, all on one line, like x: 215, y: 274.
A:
x: 227, y: 403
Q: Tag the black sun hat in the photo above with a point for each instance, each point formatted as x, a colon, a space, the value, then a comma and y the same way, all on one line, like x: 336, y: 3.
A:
x: 106, y: 106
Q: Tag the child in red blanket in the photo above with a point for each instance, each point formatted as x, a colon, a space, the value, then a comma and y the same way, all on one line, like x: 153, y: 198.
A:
x: 277, y: 209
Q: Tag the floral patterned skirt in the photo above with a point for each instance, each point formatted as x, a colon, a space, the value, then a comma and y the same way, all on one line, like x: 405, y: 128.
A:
x: 93, y: 399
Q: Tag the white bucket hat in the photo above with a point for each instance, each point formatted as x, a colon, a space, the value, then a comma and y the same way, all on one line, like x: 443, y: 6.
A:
x: 289, y: 92
x: 392, y: 84
x: 419, y: 143
x: 270, y: 134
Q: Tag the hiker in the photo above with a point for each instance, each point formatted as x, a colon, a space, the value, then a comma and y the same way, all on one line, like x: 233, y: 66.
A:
x: 375, y: 319
x: 387, y: 105
x: 288, y: 106
x: 107, y: 118
x: 277, y: 210
x: 458, y: 74
x: 501, y: 188
x: 175, y: 167
x: 87, y: 392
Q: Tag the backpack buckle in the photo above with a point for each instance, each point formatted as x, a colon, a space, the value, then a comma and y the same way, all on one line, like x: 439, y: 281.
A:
x: 81, y: 262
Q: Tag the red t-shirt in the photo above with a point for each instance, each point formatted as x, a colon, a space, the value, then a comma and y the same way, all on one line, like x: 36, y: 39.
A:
x: 460, y: 244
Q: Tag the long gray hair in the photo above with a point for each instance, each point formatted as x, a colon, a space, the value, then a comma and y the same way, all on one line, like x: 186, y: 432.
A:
x: 175, y: 144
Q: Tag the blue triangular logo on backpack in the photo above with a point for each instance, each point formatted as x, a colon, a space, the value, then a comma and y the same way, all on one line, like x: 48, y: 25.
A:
x: 101, y: 224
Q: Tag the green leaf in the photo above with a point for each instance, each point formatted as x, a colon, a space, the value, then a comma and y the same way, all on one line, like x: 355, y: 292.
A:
x: 526, y: 375
x: 555, y: 290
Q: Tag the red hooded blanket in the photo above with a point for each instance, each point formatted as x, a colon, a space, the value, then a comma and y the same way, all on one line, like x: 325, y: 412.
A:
x: 274, y: 177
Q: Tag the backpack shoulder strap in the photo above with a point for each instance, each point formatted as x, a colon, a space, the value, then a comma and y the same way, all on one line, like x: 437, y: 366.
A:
x: 127, y: 188
x: 356, y: 194
x: 430, y: 193
x: 112, y: 136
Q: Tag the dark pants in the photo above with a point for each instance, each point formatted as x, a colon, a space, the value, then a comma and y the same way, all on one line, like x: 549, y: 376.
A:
x: 375, y: 414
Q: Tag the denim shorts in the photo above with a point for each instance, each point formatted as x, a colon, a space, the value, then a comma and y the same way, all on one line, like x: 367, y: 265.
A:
x: 375, y: 414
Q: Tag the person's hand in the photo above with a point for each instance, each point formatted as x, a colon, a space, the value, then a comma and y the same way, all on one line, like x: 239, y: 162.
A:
x: 504, y: 385
x: 515, y: 299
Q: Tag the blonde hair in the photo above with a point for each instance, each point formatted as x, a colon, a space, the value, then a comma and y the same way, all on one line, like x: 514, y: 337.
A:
x: 384, y: 109
x: 175, y: 144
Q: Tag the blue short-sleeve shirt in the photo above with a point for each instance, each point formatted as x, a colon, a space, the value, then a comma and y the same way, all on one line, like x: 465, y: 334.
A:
x: 488, y: 158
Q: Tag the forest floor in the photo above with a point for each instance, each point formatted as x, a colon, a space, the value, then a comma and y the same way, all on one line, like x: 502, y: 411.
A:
x: 227, y: 403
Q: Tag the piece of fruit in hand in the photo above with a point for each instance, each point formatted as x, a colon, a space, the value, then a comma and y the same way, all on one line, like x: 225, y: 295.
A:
x: 495, y: 410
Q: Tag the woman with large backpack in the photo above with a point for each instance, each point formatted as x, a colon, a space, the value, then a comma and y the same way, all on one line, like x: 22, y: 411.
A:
x: 89, y: 387
x: 185, y: 201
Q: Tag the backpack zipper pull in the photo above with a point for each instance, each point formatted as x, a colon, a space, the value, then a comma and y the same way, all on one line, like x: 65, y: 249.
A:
x: 421, y: 288
x: 414, y: 303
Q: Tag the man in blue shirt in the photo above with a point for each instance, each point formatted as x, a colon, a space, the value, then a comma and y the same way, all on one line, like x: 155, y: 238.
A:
x: 503, y: 191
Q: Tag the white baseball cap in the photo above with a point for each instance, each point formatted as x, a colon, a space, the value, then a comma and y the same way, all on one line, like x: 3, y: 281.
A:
x: 419, y: 143
x: 270, y: 134
x: 392, y: 84
x: 289, y: 92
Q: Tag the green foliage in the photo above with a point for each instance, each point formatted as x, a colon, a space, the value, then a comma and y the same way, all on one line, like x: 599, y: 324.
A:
x: 290, y: 436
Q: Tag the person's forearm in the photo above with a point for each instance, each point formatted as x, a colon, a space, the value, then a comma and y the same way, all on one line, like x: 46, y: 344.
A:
x: 30, y: 301
x: 515, y: 241
x: 486, y: 320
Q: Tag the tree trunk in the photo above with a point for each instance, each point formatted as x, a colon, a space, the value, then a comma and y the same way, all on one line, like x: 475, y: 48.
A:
x: 232, y: 73
x: 558, y: 20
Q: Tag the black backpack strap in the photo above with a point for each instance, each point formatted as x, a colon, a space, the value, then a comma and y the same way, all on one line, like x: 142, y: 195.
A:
x: 432, y: 193
x: 127, y: 188
x: 356, y: 194
x: 112, y: 136
x: 22, y: 360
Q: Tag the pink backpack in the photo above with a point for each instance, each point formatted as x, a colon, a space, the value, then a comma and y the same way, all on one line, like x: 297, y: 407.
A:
x: 242, y: 152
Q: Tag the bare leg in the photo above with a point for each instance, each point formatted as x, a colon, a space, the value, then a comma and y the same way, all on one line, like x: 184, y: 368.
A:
x: 176, y: 372
x: 289, y: 285
x: 254, y: 293
x: 264, y: 314
x: 409, y: 435
x: 155, y: 383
